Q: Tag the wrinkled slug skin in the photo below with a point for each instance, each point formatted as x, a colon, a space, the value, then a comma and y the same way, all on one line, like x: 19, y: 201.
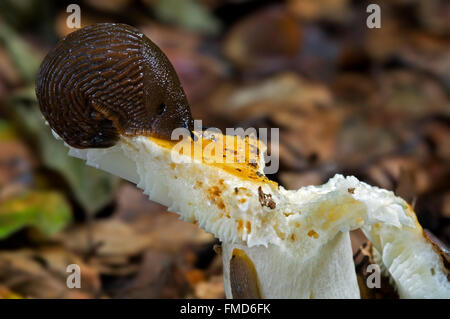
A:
x: 107, y: 80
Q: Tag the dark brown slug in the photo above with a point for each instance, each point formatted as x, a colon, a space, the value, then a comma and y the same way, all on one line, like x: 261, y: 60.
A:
x: 106, y: 80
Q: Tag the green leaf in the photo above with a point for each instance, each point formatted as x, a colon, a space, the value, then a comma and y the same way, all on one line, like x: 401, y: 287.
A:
x: 47, y: 211
x: 26, y: 61
x: 7, y: 132
x: 189, y: 14
x: 92, y: 188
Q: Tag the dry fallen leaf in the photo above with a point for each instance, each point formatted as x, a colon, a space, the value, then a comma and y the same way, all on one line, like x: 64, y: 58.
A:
x: 108, y: 237
x: 41, y: 274
x: 268, y: 40
x: 211, y: 289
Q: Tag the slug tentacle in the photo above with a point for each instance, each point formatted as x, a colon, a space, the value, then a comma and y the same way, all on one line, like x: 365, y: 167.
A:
x: 106, y: 80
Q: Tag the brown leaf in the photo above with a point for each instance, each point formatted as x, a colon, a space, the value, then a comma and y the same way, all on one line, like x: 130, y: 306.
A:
x: 268, y: 39
x: 108, y: 236
x: 210, y: 289
x: 199, y: 73
x: 41, y: 274
x: 335, y: 10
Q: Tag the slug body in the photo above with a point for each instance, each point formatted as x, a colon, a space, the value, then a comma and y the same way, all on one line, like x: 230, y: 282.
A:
x: 107, y: 80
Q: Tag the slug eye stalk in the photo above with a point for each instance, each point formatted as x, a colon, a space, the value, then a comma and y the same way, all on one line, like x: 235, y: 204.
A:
x: 276, y: 243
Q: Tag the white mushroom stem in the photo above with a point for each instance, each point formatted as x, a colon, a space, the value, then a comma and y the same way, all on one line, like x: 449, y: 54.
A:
x: 328, y: 274
x: 297, y: 240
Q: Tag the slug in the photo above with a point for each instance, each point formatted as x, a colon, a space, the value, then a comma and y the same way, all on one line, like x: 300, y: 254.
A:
x: 243, y: 277
x: 107, y: 80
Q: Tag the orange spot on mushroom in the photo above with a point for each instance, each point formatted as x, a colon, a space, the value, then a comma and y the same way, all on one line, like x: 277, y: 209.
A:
x: 214, y: 193
x: 240, y: 226
x: 248, y: 225
x: 220, y: 203
x: 198, y: 184
x: 312, y: 233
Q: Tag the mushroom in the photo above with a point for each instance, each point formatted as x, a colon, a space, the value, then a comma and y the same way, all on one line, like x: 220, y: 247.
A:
x: 276, y: 243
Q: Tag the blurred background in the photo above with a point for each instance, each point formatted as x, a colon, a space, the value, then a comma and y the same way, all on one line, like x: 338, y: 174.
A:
x: 373, y: 103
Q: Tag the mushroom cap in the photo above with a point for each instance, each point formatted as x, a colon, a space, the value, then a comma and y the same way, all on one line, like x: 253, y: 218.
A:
x: 228, y: 203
